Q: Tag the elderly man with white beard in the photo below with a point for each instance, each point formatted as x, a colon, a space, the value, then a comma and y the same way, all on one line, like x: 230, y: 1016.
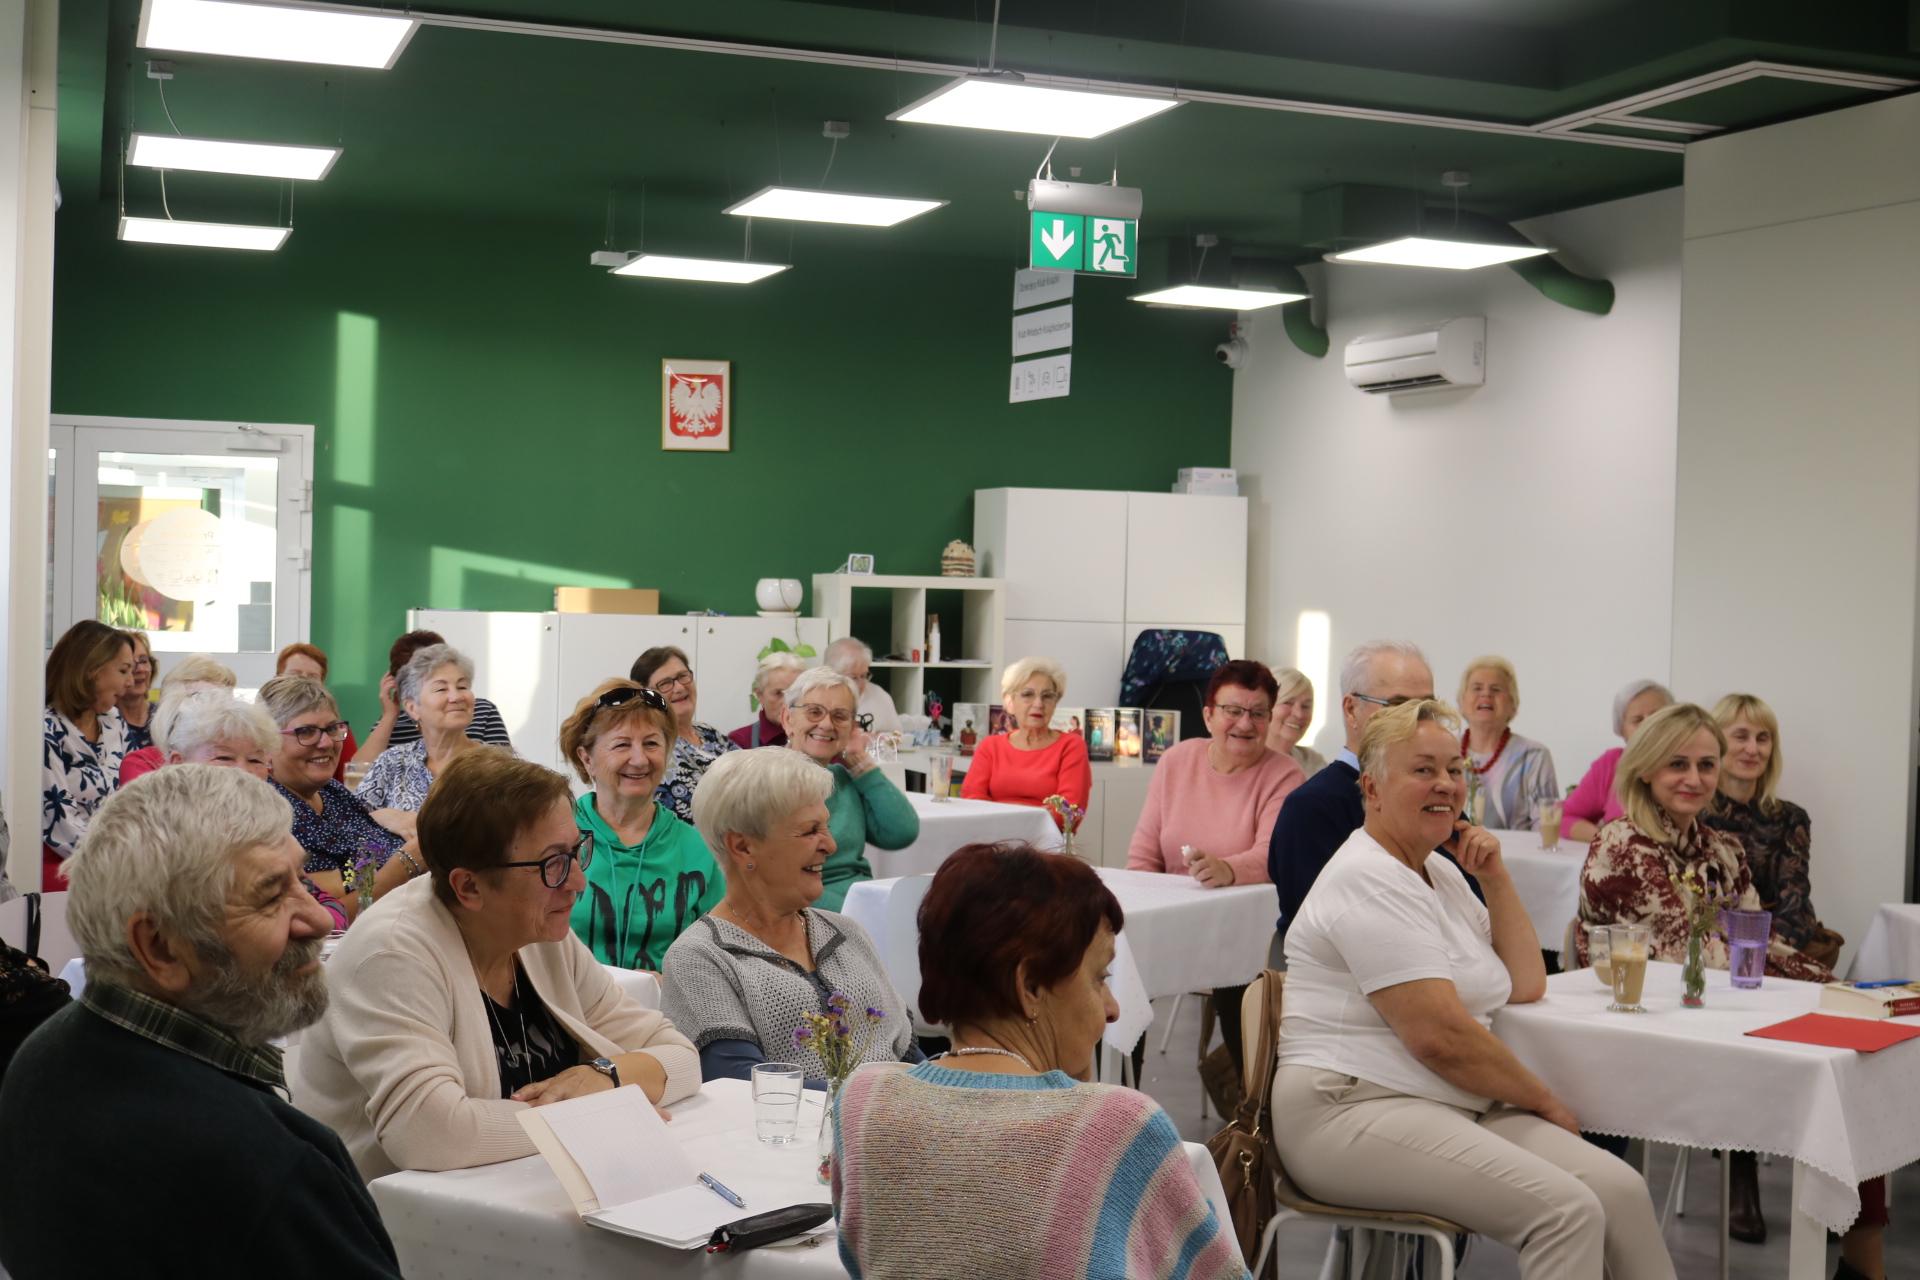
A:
x: 142, y: 1128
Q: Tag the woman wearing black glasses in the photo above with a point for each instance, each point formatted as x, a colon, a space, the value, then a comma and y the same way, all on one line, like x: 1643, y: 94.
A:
x: 653, y: 876
x: 341, y: 835
x: 466, y: 997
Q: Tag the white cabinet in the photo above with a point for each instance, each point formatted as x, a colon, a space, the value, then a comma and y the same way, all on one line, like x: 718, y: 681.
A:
x: 537, y: 666
x: 1186, y: 559
x: 973, y: 643
x: 1061, y: 552
x: 1087, y: 570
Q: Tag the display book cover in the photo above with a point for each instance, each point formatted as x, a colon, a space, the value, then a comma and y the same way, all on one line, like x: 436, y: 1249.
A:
x: 1162, y: 731
x: 1872, y: 999
x: 624, y: 1171
x: 1099, y: 733
x: 1126, y: 735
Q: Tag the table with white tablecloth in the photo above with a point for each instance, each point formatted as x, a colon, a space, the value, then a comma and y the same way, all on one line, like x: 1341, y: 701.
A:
x: 1695, y: 1078
x: 1548, y: 881
x: 1891, y: 949
x: 513, y: 1219
x: 948, y: 825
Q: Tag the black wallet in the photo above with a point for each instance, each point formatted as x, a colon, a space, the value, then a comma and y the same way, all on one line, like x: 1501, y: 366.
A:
x: 768, y: 1228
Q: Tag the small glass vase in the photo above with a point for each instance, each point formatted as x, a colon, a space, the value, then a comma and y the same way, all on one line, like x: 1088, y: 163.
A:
x: 823, y: 1145
x: 1693, y: 975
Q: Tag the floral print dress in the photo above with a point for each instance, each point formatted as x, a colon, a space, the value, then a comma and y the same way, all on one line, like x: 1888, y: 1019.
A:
x: 1626, y: 881
x: 76, y: 776
x: 688, y: 766
x: 1778, y: 846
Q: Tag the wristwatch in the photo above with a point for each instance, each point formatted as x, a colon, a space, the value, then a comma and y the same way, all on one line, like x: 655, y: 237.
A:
x: 606, y: 1068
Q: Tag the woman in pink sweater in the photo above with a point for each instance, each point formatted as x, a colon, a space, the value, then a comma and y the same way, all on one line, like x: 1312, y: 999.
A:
x: 1219, y: 795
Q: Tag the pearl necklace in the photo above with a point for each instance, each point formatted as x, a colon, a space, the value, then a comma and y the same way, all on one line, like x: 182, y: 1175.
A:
x: 1005, y: 1053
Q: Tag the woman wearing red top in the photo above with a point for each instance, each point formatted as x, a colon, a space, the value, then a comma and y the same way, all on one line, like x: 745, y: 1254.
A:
x: 1035, y: 760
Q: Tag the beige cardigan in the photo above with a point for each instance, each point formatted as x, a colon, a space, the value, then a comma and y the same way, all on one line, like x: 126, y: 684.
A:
x: 402, y: 1066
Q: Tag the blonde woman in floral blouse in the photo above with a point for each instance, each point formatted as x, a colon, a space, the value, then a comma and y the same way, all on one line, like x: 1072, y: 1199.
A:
x: 83, y: 737
x: 1666, y: 779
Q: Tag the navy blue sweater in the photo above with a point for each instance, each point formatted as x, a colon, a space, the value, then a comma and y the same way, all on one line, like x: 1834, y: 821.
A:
x: 1314, y: 822
x: 121, y: 1157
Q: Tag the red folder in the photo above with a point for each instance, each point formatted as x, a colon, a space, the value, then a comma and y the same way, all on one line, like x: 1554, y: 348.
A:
x: 1864, y: 1034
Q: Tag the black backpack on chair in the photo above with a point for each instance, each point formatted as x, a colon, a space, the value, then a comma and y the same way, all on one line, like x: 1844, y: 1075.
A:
x: 29, y: 994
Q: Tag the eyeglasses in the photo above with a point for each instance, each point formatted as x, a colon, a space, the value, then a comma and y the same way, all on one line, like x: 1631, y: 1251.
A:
x: 1235, y: 713
x: 1400, y: 701
x: 669, y: 684
x: 556, y: 867
x: 1024, y: 696
x: 622, y: 696
x: 815, y: 713
x: 308, y: 734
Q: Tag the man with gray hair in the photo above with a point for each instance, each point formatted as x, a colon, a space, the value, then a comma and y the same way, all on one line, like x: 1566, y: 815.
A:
x: 852, y: 658
x: 140, y: 1128
x: 1319, y: 816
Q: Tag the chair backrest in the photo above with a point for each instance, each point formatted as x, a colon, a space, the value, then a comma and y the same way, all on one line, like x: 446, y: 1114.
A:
x: 644, y: 987
x: 1568, y: 942
x: 1163, y: 656
x: 57, y: 946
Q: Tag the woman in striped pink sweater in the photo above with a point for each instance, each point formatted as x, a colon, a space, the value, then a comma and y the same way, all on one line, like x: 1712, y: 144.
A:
x: 995, y: 1160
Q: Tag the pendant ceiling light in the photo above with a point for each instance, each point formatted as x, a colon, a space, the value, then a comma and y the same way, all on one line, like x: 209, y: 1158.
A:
x: 205, y: 235
x: 801, y: 204
x: 276, y: 32
x: 1204, y: 295
x: 1434, y: 251
x: 1003, y: 100
x: 212, y: 155
x: 714, y: 270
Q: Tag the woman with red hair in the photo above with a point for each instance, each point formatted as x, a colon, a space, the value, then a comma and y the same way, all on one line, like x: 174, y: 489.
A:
x: 1036, y: 1172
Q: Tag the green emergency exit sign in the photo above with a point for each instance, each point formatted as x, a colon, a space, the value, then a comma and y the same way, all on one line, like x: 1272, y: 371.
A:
x: 1084, y: 243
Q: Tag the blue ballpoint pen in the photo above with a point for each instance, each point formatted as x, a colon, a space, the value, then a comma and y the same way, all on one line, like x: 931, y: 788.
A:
x: 714, y: 1185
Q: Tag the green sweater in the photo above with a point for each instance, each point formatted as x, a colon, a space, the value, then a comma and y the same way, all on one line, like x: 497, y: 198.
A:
x: 862, y: 811
x: 639, y: 899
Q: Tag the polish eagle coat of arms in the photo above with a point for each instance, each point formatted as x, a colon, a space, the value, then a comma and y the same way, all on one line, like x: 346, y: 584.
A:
x: 695, y: 408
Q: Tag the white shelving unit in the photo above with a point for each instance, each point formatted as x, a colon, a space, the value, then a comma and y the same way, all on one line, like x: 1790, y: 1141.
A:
x: 980, y: 634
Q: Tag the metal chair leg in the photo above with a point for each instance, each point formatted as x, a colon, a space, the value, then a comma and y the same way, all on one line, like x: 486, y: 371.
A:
x: 1726, y: 1207
x: 1166, y: 1037
x: 1676, y: 1187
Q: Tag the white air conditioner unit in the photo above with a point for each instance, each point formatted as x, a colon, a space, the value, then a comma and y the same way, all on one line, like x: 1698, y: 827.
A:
x: 1452, y: 353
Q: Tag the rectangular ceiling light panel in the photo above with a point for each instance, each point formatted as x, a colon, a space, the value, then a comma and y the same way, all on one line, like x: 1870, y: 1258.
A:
x: 211, y: 155
x: 205, y: 235
x: 1014, y: 106
x: 717, y: 270
x: 1200, y: 295
x: 278, y: 32
x: 1456, y: 255
x: 803, y: 205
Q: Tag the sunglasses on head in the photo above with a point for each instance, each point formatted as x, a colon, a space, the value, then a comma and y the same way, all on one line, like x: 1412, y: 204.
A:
x: 621, y: 697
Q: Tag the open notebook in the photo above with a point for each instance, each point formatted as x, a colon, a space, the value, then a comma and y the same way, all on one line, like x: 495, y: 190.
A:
x: 624, y: 1171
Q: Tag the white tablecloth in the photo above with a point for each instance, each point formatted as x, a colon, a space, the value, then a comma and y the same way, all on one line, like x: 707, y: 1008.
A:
x: 514, y: 1220
x: 1548, y: 881
x: 1891, y: 948
x: 1187, y: 937
x: 1693, y: 1077
x: 952, y: 824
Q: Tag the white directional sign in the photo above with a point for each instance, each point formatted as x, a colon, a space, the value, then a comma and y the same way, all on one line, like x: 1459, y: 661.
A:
x: 1041, y: 379
x: 1046, y: 330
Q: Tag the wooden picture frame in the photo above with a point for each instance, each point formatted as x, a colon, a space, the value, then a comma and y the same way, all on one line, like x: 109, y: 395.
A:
x: 696, y: 405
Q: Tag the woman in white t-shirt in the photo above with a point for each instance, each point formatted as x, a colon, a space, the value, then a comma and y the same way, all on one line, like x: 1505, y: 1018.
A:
x: 1392, y: 1091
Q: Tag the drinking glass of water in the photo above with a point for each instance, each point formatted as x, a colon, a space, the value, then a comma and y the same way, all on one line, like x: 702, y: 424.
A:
x: 1747, y: 934
x: 776, y: 1101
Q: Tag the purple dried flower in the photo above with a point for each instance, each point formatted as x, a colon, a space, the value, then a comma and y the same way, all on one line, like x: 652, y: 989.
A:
x: 875, y: 1014
x: 801, y: 1035
x: 838, y: 1000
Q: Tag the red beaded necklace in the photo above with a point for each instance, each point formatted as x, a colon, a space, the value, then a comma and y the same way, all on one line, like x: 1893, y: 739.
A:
x: 1506, y: 736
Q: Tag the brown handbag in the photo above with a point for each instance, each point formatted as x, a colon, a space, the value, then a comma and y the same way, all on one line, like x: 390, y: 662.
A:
x: 1243, y: 1151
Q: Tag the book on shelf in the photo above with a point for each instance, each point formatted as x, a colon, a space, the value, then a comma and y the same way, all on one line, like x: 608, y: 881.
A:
x: 1871, y: 999
x: 1126, y: 735
x: 1162, y: 731
x: 624, y: 1171
x: 1099, y: 733
x: 998, y: 721
x: 1071, y: 720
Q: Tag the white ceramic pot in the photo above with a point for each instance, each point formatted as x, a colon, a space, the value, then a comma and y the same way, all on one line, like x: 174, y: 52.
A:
x: 778, y: 594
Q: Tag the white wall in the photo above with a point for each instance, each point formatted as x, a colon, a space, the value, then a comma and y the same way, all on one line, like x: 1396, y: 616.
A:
x: 1531, y: 517
x: 1798, y: 501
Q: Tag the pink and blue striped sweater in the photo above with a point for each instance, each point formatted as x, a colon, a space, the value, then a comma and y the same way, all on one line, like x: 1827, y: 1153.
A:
x: 943, y: 1172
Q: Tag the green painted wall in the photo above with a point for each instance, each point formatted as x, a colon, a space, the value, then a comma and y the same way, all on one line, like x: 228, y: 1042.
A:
x: 488, y: 403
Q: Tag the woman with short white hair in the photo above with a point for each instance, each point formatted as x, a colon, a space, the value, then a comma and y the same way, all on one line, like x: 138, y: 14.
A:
x: 1392, y: 1090
x: 770, y: 680
x: 1033, y: 760
x: 194, y: 673
x: 1514, y: 773
x: 864, y: 807
x: 436, y: 688
x: 211, y: 726
x: 1292, y: 717
x: 1595, y: 802
x: 738, y: 981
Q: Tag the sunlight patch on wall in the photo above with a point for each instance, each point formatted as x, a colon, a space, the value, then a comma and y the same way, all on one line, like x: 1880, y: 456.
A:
x: 1313, y: 637
x: 448, y: 568
x: 356, y: 368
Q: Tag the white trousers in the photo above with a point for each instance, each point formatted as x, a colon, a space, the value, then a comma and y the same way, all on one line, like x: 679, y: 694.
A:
x: 1571, y: 1210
